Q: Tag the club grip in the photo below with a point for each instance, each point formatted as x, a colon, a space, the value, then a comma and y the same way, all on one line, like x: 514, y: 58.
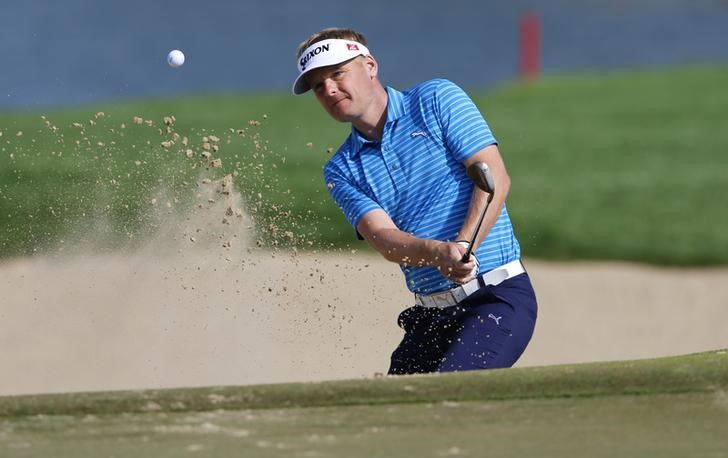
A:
x: 466, y: 256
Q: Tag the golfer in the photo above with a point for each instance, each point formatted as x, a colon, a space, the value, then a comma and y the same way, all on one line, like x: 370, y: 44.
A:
x: 400, y: 179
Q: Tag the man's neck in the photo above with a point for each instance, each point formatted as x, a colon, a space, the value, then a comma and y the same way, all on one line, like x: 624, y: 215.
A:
x: 371, y: 125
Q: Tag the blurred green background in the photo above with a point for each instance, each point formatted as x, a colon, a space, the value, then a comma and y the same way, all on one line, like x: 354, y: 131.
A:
x: 624, y: 165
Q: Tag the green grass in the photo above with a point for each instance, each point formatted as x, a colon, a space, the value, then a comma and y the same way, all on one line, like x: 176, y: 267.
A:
x: 627, y: 166
x: 674, y: 406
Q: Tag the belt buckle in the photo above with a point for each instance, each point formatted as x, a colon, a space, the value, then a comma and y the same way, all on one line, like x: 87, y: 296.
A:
x: 443, y: 299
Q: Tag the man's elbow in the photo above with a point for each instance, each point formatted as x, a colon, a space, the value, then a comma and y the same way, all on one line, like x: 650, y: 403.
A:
x: 504, y: 186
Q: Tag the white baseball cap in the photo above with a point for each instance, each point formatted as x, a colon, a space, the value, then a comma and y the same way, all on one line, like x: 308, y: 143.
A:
x: 322, y: 54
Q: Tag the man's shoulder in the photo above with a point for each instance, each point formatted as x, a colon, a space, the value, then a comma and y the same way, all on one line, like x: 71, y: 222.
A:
x: 429, y: 94
x: 431, y: 86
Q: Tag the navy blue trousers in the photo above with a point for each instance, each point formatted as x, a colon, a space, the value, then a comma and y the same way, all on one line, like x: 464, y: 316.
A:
x: 489, y: 329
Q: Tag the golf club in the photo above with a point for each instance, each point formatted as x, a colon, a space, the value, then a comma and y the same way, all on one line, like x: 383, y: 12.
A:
x: 481, y: 176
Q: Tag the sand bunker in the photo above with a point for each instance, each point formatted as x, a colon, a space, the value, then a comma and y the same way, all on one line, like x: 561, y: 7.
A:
x: 221, y: 316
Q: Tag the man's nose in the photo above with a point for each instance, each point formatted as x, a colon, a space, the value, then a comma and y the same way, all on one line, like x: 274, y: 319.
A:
x: 330, y: 87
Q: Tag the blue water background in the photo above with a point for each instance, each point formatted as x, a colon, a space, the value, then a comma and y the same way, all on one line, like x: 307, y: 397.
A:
x: 73, y: 52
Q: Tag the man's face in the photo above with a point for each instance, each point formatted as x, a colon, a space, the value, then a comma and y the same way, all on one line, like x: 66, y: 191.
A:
x: 345, y: 90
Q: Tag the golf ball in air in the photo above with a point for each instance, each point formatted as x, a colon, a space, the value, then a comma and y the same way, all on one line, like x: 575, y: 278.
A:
x: 175, y: 58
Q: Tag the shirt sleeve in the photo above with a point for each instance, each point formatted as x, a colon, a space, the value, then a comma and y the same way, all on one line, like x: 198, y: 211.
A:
x: 465, y: 130
x: 351, y: 198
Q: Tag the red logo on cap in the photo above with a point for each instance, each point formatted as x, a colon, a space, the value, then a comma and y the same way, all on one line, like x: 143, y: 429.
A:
x: 352, y: 47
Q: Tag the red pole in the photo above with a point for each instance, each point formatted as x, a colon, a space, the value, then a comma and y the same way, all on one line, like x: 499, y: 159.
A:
x: 530, y: 44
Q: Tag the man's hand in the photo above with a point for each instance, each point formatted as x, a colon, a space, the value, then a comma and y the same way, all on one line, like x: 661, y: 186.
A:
x: 449, y: 255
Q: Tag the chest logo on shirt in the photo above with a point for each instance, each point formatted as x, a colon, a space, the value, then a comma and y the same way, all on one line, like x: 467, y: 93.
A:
x: 418, y: 133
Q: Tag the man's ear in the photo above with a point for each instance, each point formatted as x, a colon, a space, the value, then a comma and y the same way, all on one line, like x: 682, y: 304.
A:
x: 372, y: 65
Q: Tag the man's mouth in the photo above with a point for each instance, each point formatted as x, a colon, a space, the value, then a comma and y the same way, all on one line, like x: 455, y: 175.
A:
x: 336, y: 103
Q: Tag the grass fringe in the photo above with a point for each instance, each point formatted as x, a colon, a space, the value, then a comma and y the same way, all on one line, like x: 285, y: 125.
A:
x: 695, y: 373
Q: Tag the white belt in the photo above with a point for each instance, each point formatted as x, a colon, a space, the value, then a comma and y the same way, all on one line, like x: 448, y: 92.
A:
x: 456, y: 295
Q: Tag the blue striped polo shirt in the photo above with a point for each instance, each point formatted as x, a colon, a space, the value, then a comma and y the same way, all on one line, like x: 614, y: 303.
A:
x: 415, y: 174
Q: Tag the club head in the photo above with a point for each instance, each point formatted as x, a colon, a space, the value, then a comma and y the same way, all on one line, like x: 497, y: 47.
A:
x: 481, y: 176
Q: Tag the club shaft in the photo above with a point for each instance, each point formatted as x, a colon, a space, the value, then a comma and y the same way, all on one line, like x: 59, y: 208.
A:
x: 466, y: 256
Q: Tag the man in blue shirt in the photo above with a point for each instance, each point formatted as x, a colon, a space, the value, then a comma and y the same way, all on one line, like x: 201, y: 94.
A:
x: 400, y: 180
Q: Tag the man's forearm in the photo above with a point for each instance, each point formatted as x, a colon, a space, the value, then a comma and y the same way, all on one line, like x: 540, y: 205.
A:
x: 476, y: 207
x: 491, y: 156
x: 403, y: 248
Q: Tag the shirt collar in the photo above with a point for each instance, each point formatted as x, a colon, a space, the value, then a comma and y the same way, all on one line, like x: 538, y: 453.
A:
x: 395, y: 109
x: 395, y: 105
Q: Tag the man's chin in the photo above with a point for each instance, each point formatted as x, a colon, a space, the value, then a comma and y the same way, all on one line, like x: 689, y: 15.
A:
x: 339, y: 111
x: 340, y: 116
